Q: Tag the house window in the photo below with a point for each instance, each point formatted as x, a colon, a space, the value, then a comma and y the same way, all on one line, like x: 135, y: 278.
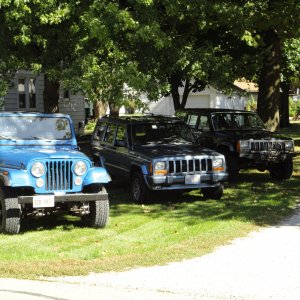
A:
x: 22, y: 95
x: 27, y: 93
x: 32, y: 96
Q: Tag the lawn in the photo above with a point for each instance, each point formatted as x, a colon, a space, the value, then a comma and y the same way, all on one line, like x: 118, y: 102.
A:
x: 175, y: 227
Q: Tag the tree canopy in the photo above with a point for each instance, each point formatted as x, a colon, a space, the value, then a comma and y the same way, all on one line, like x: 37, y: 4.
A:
x: 114, y: 50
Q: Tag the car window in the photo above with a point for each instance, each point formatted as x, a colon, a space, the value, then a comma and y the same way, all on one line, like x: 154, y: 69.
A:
x: 121, y: 136
x: 192, y: 120
x: 203, y: 123
x: 110, y: 132
x: 100, y: 131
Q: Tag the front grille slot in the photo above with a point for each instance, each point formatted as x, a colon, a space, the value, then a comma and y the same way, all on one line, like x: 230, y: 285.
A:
x: 59, y: 175
x: 195, y: 165
x: 257, y: 146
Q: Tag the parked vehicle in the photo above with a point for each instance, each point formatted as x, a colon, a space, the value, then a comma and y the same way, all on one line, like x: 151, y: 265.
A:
x: 156, y: 153
x: 42, y: 171
x: 242, y: 137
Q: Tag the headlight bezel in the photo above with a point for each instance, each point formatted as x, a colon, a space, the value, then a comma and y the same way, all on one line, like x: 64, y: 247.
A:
x: 37, y: 169
x: 243, y: 145
x: 80, y: 168
x: 160, y: 168
x: 291, y: 146
x: 218, y: 164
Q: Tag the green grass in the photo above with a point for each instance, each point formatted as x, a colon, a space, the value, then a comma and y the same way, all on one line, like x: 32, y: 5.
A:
x: 175, y: 227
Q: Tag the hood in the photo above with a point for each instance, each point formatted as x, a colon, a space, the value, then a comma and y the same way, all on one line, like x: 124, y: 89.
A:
x: 251, y: 134
x: 173, y: 150
x: 18, y: 157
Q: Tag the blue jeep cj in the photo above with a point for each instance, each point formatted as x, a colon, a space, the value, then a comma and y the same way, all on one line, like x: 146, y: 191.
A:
x: 42, y: 171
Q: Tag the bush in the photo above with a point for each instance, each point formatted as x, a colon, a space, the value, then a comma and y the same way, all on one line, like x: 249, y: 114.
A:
x: 294, y: 107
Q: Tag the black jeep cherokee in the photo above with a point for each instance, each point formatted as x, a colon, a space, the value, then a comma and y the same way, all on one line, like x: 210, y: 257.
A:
x: 157, y: 153
x: 242, y: 137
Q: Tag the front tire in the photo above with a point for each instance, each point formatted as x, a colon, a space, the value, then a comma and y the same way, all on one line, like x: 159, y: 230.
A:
x: 282, y: 170
x: 10, y: 213
x: 139, y: 190
x: 215, y: 193
x: 99, y: 212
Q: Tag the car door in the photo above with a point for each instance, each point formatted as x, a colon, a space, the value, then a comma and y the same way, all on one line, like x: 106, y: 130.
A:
x: 204, y: 131
x: 120, y: 156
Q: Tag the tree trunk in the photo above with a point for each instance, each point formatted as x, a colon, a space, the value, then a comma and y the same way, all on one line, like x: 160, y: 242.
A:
x: 268, y: 101
x: 99, y: 109
x: 186, y: 93
x: 51, y: 95
x: 175, y: 83
x: 284, y: 107
x: 114, y: 109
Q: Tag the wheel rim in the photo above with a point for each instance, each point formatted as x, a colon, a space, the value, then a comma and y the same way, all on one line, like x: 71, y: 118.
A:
x: 136, y: 188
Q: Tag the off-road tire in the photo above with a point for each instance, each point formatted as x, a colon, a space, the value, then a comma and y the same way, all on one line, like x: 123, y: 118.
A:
x: 10, y: 213
x: 215, y: 193
x: 139, y: 190
x: 282, y: 170
x: 99, y: 212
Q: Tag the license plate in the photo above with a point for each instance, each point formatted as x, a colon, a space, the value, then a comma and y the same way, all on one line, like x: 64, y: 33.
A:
x: 43, y: 201
x: 192, y: 179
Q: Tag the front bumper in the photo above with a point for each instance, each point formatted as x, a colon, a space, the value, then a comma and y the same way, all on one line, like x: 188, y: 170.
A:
x: 78, y: 197
x: 177, y: 182
x: 268, y: 156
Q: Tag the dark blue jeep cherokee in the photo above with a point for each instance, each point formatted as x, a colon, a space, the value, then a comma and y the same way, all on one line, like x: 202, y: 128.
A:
x: 42, y: 171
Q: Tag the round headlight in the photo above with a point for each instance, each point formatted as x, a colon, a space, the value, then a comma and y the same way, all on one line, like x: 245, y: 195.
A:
x: 80, y: 168
x: 38, y: 169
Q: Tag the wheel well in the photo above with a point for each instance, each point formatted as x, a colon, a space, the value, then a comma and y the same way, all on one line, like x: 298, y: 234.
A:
x: 134, y: 169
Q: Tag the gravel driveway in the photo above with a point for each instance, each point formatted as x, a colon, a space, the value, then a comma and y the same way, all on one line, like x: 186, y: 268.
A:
x: 265, y: 265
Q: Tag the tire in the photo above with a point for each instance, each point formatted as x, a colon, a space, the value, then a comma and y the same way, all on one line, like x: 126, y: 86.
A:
x: 282, y: 170
x: 232, y: 166
x: 10, y: 213
x: 99, y: 212
x: 139, y: 191
x: 215, y: 193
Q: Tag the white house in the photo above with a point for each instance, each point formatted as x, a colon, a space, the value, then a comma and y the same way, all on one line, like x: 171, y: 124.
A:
x: 26, y: 93
x: 208, y: 98
x: 27, y: 90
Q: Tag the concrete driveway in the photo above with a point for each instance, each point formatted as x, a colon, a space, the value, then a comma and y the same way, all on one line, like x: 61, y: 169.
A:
x: 265, y: 265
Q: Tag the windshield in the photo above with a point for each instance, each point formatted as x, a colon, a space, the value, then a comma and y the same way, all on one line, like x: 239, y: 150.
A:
x: 161, y: 133
x: 34, y: 127
x: 237, y: 120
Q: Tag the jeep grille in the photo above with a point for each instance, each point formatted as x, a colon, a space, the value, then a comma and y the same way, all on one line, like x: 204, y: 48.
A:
x: 267, y: 146
x: 59, y: 175
x: 195, y: 165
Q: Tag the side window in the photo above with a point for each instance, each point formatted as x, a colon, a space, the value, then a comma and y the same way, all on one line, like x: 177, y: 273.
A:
x: 110, y: 132
x: 121, y: 137
x: 203, y: 123
x: 100, y: 131
x: 192, y: 120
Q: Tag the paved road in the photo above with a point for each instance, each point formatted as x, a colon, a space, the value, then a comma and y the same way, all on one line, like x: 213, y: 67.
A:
x: 265, y: 265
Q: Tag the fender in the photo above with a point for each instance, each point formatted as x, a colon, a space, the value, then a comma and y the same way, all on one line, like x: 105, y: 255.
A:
x: 96, y: 175
x: 16, y: 178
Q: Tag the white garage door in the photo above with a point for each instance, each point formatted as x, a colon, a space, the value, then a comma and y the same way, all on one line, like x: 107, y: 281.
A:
x: 199, y: 101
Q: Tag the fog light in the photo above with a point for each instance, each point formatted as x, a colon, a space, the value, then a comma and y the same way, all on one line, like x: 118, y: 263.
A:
x: 78, y: 180
x: 40, y: 182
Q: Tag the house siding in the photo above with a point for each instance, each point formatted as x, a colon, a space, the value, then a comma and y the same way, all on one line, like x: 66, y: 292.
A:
x: 74, y: 106
x: 11, y: 100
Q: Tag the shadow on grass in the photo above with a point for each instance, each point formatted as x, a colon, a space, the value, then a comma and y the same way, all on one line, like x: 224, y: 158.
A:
x: 254, y: 198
